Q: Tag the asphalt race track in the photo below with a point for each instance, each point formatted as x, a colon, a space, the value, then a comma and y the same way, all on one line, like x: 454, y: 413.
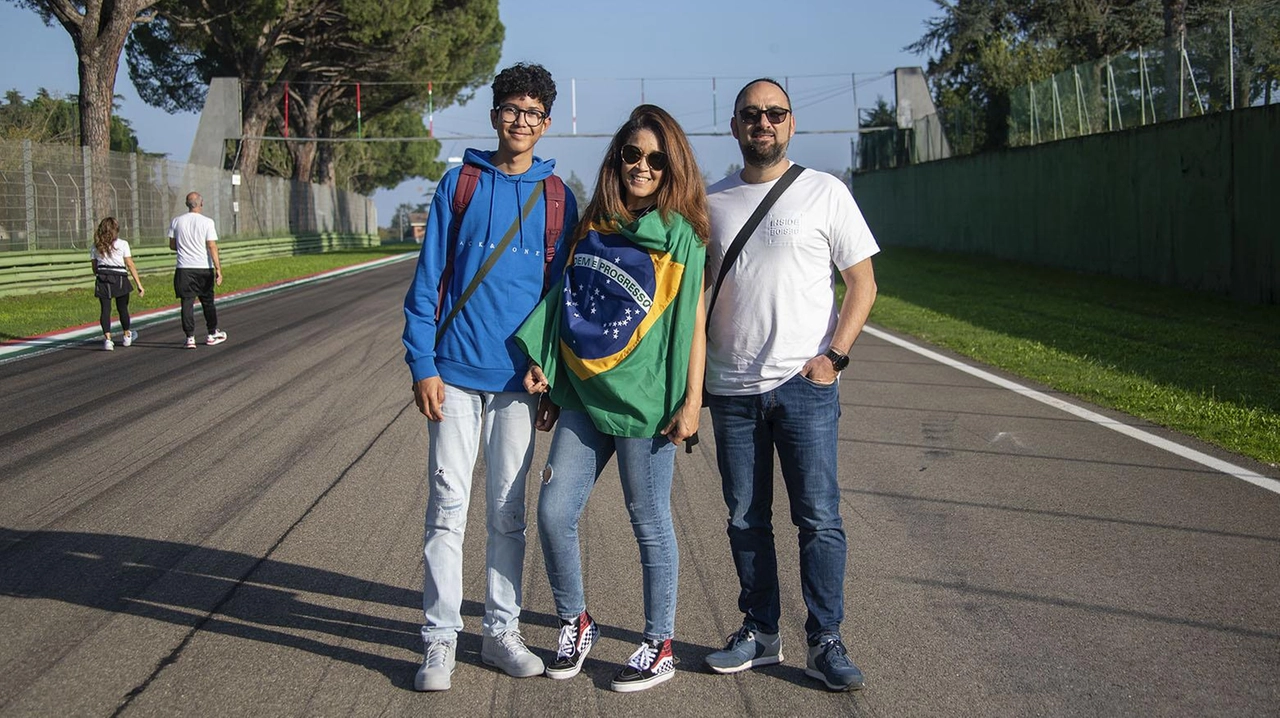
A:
x: 236, y: 531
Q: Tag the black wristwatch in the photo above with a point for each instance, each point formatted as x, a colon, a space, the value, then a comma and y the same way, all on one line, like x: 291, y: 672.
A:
x: 838, y: 361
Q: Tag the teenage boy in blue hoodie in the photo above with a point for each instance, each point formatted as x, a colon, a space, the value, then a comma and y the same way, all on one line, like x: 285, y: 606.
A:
x: 467, y: 371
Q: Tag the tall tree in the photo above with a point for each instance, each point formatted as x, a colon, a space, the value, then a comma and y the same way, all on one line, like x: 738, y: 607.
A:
x: 317, y: 50
x: 98, y: 29
x: 55, y: 120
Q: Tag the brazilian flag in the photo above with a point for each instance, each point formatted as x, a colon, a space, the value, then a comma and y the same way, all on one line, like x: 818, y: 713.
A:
x: 613, y: 335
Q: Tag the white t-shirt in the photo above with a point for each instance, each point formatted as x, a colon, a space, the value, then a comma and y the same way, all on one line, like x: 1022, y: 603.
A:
x: 777, y: 307
x: 192, y: 230
x: 113, y: 261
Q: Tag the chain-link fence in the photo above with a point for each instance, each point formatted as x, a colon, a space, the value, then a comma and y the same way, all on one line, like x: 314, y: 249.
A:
x: 1234, y: 62
x: 1214, y: 69
x: 46, y: 196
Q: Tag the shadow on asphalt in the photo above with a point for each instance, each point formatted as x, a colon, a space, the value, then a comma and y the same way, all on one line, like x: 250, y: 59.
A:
x: 260, y: 599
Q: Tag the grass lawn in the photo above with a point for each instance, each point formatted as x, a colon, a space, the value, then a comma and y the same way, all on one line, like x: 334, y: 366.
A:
x: 34, y: 314
x: 1203, y: 365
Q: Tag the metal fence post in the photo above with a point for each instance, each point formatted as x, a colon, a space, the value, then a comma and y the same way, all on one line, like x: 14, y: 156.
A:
x: 134, y: 205
x: 29, y: 192
x: 86, y: 163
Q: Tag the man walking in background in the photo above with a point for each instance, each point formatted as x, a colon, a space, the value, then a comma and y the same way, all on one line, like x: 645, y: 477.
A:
x: 194, y: 238
x: 775, y: 347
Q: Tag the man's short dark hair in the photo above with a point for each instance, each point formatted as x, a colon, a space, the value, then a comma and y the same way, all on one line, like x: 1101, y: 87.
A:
x: 525, y: 79
x: 738, y: 100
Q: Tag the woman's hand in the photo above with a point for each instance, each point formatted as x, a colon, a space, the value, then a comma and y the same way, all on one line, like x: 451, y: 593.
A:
x: 685, y: 422
x: 141, y: 291
x: 547, y: 413
x: 535, y: 382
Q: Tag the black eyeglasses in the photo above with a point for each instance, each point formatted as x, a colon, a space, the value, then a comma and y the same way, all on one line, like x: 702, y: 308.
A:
x: 751, y: 115
x: 632, y: 154
x: 509, y: 113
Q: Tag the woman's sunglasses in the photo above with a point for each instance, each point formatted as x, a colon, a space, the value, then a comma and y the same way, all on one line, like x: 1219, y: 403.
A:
x: 632, y: 154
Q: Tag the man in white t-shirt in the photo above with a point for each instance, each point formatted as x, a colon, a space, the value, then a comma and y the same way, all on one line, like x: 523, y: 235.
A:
x: 194, y: 238
x: 776, y: 343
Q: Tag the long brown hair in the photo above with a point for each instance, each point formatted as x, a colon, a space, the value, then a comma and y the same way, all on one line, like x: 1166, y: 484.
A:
x: 105, y: 236
x: 682, y: 188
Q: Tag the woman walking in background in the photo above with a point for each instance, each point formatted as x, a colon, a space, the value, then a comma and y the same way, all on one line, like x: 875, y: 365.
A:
x: 112, y: 266
x: 619, y: 343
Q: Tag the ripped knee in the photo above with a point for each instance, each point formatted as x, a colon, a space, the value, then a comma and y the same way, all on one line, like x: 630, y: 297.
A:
x: 446, y: 501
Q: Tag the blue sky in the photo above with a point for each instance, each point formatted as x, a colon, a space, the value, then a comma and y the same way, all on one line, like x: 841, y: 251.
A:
x: 820, y: 48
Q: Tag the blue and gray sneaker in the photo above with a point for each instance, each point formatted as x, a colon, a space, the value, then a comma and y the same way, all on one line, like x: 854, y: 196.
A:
x: 746, y: 649
x: 829, y: 662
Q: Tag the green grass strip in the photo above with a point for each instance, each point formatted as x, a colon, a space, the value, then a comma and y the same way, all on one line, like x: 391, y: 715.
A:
x: 1200, y: 364
x: 35, y: 314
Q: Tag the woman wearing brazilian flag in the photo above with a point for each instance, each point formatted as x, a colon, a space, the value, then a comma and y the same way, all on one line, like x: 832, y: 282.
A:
x: 618, y: 345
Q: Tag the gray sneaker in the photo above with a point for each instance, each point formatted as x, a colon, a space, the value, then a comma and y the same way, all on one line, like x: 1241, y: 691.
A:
x: 746, y: 649
x: 829, y: 662
x: 508, y: 652
x: 436, y: 673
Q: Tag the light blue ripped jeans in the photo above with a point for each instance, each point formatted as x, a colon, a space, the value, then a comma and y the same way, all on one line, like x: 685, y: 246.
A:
x: 503, y: 424
x: 579, y: 453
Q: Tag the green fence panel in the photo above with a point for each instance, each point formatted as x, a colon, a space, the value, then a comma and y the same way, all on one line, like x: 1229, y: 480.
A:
x: 1186, y: 204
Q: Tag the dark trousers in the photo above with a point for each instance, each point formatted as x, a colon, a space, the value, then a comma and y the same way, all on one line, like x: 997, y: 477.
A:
x: 122, y: 308
x: 192, y: 284
x: 189, y: 315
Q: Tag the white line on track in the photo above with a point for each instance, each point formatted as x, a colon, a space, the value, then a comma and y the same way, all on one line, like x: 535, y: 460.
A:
x: 1185, y: 452
x: 61, y: 340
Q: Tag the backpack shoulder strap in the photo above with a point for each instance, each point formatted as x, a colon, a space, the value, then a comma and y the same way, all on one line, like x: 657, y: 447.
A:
x: 468, y: 179
x: 553, y: 188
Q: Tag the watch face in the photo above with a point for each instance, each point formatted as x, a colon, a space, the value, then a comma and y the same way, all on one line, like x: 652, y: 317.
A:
x: 838, y: 361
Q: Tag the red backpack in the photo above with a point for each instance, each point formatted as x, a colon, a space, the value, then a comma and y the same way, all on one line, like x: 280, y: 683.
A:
x: 553, y: 187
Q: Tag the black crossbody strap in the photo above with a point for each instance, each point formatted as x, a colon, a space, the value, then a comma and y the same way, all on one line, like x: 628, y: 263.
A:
x: 735, y: 248
x: 492, y: 259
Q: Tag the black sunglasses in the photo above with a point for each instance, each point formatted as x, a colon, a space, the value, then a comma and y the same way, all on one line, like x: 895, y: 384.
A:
x: 632, y: 154
x: 751, y: 115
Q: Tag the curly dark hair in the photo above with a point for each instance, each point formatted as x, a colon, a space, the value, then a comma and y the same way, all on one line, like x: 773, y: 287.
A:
x: 525, y: 79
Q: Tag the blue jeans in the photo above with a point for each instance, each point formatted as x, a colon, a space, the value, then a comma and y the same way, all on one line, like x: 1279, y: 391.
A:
x: 798, y: 418
x: 579, y: 453
x: 504, y: 423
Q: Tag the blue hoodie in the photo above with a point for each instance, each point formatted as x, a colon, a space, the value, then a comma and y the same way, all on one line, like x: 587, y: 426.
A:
x: 477, y: 350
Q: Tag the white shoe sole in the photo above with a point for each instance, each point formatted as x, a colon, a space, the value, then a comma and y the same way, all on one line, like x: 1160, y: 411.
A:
x: 754, y: 663
x: 642, y: 685
x: 564, y: 675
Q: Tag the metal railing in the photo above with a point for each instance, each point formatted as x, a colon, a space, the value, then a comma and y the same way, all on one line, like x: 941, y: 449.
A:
x: 1211, y: 70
